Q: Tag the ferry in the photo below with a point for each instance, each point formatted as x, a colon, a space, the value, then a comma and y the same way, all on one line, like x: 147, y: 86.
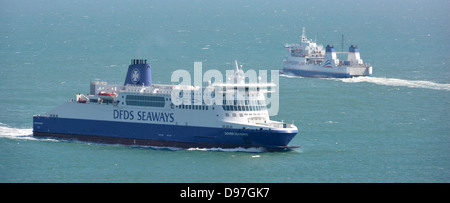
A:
x: 145, y: 114
x: 309, y: 59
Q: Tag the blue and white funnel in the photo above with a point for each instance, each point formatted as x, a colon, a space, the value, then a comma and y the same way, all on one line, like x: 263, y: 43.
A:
x: 330, y: 58
x: 354, y: 56
x: 139, y: 73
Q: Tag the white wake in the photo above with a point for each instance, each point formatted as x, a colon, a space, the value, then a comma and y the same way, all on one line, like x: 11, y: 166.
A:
x: 20, y: 133
x: 386, y: 81
x: 237, y: 149
x: 398, y: 82
x: 16, y: 133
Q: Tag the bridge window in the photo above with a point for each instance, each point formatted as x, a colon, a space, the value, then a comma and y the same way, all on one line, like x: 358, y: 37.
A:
x: 140, y: 100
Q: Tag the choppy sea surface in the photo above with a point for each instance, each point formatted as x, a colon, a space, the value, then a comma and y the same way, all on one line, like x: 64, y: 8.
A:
x: 393, y: 127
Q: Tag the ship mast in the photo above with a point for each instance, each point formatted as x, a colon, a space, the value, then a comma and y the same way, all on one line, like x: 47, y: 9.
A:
x: 304, y: 39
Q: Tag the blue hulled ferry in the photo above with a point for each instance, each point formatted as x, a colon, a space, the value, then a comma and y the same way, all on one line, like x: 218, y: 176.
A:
x: 142, y: 113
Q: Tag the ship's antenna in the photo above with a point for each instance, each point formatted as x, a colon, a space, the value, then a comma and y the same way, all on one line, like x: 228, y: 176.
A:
x: 342, y: 43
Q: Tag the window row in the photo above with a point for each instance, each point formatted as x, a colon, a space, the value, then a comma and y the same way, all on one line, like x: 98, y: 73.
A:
x: 145, y: 98
x: 193, y: 107
x: 245, y: 102
x: 138, y: 100
x: 243, y: 108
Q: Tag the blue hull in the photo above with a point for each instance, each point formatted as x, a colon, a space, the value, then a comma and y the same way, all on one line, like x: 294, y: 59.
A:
x: 113, y: 132
x: 319, y: 74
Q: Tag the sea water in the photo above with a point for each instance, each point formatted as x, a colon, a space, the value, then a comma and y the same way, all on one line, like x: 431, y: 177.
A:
x: 393, y: 127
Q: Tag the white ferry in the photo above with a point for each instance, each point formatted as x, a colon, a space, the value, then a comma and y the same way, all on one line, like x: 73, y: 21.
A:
x: 142, y: 113
x: 309, y: 59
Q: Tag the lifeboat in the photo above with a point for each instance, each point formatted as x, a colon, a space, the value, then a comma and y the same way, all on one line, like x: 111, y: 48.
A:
x: 107, y: 95
x: 81, y: 98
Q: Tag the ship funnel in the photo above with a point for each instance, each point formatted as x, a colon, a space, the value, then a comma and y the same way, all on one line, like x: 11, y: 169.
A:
x: 139, y: 73
x: 330, y: 53
x: 354, y: 56
x: 331, y: 59
x: 353, y: 49
x: 330, y: 49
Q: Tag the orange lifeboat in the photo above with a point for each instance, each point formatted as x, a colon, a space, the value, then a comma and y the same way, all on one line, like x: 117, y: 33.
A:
x: 107, y: 95
x: 81, y: 98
